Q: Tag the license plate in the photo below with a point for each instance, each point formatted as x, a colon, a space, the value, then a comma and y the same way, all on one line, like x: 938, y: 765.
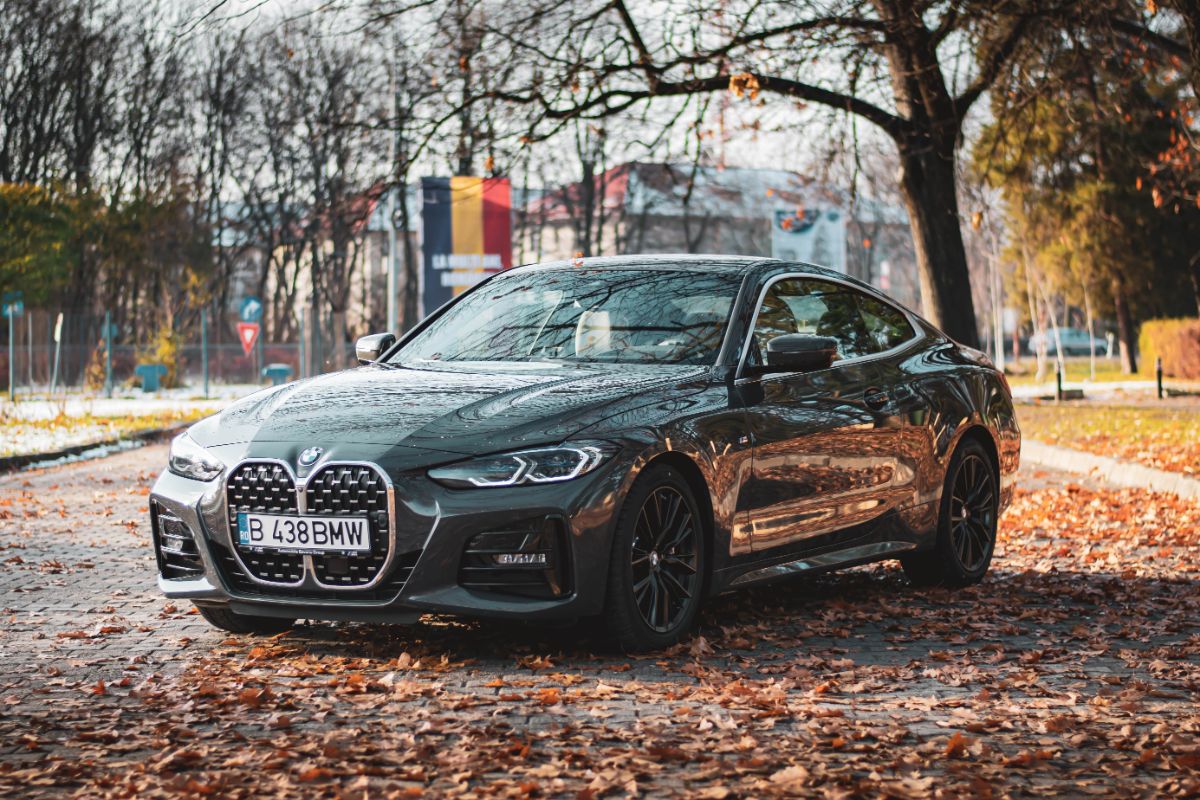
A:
x: 301, y: 534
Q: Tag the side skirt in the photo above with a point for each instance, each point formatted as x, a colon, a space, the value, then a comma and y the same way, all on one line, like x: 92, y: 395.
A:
x: 850, y: 556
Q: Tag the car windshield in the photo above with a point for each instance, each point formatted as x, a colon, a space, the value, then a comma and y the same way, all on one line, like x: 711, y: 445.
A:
x: 583, y: 315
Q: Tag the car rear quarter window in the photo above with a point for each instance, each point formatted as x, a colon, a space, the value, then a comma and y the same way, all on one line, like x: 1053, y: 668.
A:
x: 887, y: 325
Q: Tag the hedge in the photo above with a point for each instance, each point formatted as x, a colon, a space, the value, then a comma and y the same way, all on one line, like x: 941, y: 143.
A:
x: 1176, y: 341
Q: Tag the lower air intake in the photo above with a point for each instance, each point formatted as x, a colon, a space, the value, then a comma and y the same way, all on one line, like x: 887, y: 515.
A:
x: 528, y: 559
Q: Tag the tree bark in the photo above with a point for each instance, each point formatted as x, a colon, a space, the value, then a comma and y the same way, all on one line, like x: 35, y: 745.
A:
x: 931, y: 199
x: 1190, y: 11
x: 1125, y: 334
x: 583, y: 223
x: 412, y: 281
x: 1196, y: 280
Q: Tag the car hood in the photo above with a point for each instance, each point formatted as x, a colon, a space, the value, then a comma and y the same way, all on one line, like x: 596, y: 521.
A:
x: 454, y: 408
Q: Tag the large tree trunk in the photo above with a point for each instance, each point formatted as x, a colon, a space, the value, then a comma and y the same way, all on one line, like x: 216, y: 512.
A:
x: 1196, y: 280
x: 1190, y: 11
x: 587, y: 209
x: 1125, y: 332
x: 412, y: 279
x: 338, y: 339
x: 927, y: 181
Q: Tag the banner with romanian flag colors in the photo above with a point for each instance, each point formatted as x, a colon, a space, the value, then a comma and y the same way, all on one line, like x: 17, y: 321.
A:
x: 467, y: 234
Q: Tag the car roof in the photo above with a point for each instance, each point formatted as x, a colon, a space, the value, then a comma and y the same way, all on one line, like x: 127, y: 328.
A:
x: 692, y: 262
x: 687, y: 261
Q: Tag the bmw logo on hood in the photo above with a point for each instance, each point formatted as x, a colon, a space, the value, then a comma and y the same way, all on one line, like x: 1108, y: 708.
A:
x: 309, y: 457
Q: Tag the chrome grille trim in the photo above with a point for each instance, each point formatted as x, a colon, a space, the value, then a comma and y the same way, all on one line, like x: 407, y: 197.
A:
x: 282, y: 500
x: 299, y: 503
x: 344, y: 488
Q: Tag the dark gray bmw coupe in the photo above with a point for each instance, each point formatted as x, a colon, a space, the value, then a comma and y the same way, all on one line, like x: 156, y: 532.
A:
x: 613, y: 437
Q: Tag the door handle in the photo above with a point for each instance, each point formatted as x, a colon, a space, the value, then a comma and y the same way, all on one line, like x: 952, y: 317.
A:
x: 876, y: 398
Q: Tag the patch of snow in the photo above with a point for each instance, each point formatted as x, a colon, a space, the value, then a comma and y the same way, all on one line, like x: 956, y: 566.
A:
x: 127, y: 404
x: 21, y: 439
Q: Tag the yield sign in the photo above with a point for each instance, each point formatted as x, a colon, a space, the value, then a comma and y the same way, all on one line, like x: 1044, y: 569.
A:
x: 248, y: 333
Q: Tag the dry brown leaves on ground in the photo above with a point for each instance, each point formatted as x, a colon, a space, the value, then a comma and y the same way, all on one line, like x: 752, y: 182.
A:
x: 1072, y: 670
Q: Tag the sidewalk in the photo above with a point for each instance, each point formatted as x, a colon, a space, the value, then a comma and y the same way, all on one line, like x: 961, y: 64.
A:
x: 1112, y: 470
x: 1102, y: 389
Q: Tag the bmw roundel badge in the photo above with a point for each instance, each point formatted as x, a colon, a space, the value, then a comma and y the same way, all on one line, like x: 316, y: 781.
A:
x: 309, y: 457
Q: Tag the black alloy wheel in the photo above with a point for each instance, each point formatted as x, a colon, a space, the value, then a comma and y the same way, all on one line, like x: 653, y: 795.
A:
x: 657, y: 570
x: 973, y: 512
x: 966, y: 534
x: 663, y: 558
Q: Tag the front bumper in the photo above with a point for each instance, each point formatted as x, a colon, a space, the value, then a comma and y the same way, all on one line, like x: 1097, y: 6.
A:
x: 434, y: 528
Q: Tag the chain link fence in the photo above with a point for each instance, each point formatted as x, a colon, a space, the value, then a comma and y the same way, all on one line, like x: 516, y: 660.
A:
x: 39, y: 354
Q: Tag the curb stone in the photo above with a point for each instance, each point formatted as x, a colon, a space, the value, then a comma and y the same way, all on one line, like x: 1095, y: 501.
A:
x: 1112, y: 470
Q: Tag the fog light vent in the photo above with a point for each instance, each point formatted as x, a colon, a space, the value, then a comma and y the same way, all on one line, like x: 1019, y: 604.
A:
x: 174, y: 546
x: 529, y: 559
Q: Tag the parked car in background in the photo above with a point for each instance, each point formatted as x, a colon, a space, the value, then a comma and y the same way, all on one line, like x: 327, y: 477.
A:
x: 1075, y: 342
x: 615, y: 438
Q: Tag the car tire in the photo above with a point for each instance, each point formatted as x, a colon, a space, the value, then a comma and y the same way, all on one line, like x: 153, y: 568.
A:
x: 653, y: 598
x: 230, y: 621
x: 967, y: 523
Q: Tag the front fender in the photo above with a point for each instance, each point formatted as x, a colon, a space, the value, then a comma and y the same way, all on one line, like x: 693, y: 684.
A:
x: 708, y: 429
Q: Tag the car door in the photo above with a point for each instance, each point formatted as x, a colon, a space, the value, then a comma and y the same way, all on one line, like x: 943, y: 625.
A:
x: 816, y: 466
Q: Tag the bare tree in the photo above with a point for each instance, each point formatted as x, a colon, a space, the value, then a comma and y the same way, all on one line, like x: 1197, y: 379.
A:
x: 222, y: 94
x: 319, y: 103
x: 416, y: 98
x: 34, y: 45
x: 912, y: 69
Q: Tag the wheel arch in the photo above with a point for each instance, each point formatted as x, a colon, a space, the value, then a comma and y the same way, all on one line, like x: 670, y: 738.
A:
x: 694, y: 477
x: 979, y: 433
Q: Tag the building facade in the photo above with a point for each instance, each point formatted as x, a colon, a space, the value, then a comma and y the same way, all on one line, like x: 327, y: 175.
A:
x: 667, y: 208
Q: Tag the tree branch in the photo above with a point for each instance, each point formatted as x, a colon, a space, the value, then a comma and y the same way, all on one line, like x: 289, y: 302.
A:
x: 993, y: 63
x: 613, y: 100
x: 1166, y: 43
x: 644, y: 57
x: 945, y: 27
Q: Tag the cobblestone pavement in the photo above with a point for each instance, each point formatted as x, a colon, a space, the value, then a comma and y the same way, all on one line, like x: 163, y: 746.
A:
x: 1072, y: 669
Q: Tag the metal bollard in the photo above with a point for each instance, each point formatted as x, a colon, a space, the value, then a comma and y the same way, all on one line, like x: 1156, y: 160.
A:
x: 12, y: 371
x: 108, y: 346
x: 1158, y: 376
x: 204, y: 347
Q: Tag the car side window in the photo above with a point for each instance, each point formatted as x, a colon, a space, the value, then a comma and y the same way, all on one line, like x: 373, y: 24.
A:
x: 886, y: 324
x: 816, y: 307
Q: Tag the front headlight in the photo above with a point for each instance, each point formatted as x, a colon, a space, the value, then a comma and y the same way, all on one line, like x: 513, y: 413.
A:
x: 544, y: 465
x: 192, y: 461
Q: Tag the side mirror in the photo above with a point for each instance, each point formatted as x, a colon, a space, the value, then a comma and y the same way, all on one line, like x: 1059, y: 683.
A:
x: 370, y: 348
x: 800, y: 352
